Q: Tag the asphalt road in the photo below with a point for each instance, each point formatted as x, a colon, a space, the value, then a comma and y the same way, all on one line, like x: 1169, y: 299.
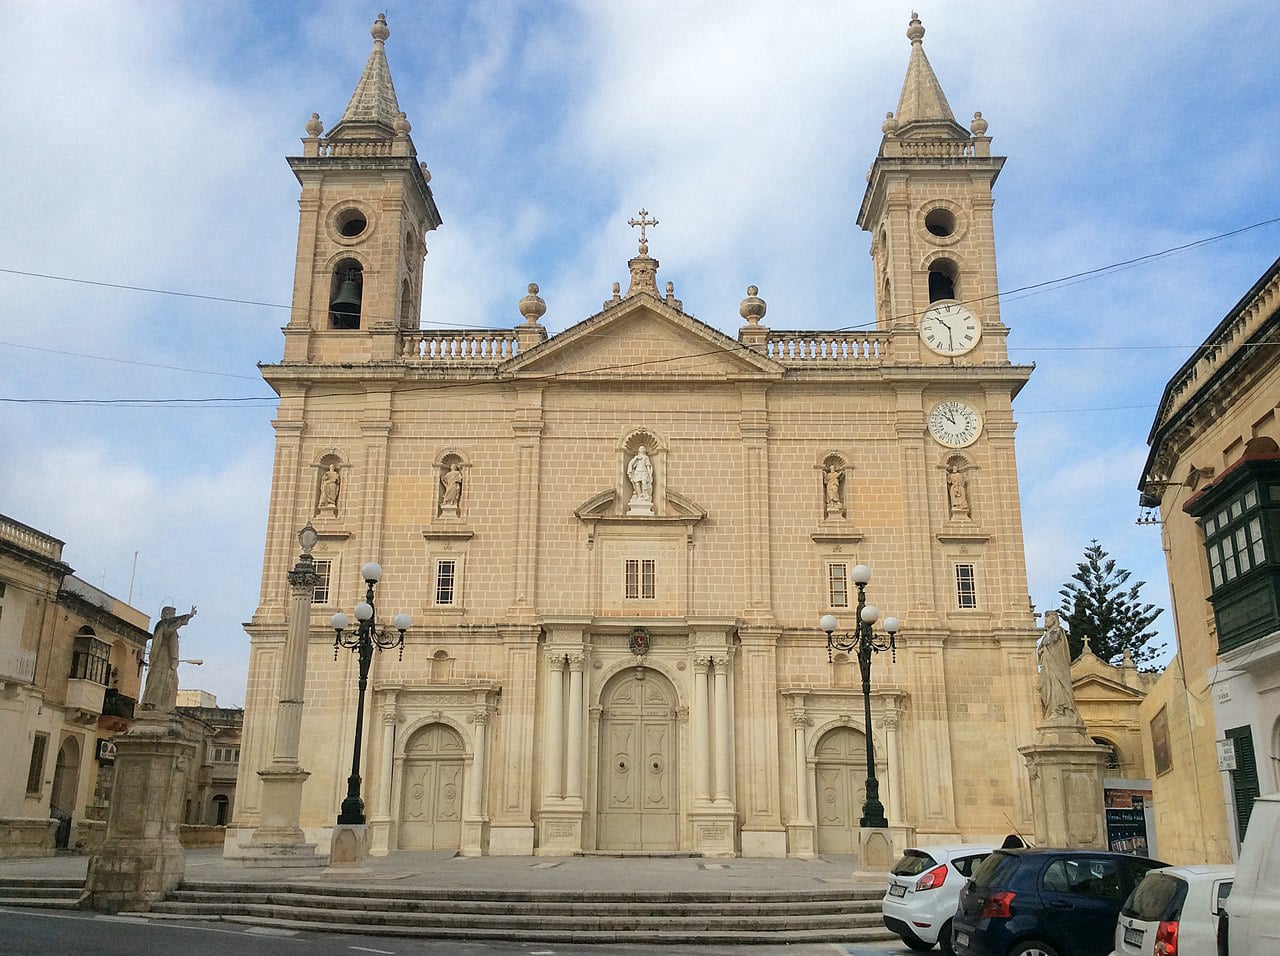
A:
x: 25, y: 932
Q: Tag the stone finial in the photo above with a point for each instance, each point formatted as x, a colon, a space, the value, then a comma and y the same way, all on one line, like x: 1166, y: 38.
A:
x: 753, y: 308
x: 1087, y: 643
x: 616, y: 297
x: 979, y: 126
x: 671, y: 298
x: 380, y: 31
x: 426, y: 173
x: 915, y: 29
x: 314, y: 126
x: 890, y: 125
x: 533, y: 306
x: 401, y: 124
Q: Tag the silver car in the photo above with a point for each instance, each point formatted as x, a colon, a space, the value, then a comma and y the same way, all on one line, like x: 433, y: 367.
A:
x: 924, y: 890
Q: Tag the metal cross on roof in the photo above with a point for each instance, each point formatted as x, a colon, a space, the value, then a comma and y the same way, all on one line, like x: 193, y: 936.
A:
x: 642, y: 222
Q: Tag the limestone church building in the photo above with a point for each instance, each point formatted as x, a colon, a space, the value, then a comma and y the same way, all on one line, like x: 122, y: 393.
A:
x: 616, y: 542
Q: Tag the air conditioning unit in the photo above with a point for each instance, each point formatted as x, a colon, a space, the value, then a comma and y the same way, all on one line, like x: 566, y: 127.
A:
x: 106, y: 751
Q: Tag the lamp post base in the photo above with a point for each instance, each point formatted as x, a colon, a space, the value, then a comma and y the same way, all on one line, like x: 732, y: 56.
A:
x: 350, y: 847
x: 875, y: 854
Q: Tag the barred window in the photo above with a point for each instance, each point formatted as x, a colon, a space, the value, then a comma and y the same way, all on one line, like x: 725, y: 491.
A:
x: 640, y: 578
x: 446, y: 581
x: 966, y: 586
x: 837, y: 584
x: 91, y: 660
x: 324, y: 571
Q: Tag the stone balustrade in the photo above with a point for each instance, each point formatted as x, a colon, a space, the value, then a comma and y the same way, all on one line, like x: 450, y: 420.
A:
x: 15, y: 532
x: 468, y: 347
x: 827, y: 348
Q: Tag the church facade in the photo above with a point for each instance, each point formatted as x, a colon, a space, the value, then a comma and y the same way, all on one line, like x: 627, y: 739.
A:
x: 616, y: 542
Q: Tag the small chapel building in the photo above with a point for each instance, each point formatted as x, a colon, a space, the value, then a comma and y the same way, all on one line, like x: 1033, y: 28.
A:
x: 616, y: 542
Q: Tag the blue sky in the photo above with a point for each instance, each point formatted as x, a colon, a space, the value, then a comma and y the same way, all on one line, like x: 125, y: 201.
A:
x: 143, y: 145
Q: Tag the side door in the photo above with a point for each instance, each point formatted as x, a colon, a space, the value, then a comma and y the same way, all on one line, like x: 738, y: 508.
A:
x: 1082, y: 896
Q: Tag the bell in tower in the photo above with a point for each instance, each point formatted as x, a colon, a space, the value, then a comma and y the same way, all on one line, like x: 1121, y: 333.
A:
x: 344, y: 306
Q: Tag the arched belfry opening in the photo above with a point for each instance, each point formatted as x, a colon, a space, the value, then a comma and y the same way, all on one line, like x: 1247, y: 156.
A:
x: 346, y: 295
x: 942, y: 280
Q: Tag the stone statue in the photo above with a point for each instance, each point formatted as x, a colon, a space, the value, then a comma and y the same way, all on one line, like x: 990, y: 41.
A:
x: 1054, y: 658
x: 330, y: 485
x: 452, y: 483
x: 640, y: 474
x: 161, y: 691
x: 957, y: 491
x: 831, y: 480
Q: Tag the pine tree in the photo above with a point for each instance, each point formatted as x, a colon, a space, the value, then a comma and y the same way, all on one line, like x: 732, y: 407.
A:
x: 1096, y: 604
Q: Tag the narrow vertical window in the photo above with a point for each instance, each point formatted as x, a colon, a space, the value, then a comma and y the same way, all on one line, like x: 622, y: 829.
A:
x: 36, y: 770
x: 324, y: 569
x: 837, y: 585
x: 966, y: 586
x: 640, y: 579
x: 446, y: 581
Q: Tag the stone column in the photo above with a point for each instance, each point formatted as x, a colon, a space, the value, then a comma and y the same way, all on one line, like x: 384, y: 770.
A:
x: 380, y: 817
x: 701, y: 732
x: 893, y: 758
x: 279, y: 839
x: 800, y: 832
x: 477, y: 782
x: 553, y: 785
x: 573, y: 768
x: 721, y: 684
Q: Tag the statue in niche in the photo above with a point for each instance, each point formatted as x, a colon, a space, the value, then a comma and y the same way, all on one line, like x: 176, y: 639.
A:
x: 451, y: 490
x: 957, y: 491
x: 831, y: 481
x: 330, y: 487
x: 1054, y: 658
x: 640, y: 474
x: 161, y: 691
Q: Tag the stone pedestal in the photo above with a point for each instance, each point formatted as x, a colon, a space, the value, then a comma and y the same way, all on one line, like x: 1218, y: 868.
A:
x: 560, y: 831
x: 278, y: 840
x: 350, y: 847
x: 141, y: 859
x: 876, y: 855
x: 800, y: 841
x: 1066, y: 770
x: 713, y: 831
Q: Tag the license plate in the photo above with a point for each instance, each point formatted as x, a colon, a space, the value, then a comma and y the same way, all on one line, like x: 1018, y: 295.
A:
x: 897, y: 889
x: 1132, y: 937
x: 961, y: 938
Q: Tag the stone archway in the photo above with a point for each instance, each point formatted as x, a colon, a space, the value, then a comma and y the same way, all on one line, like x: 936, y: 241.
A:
x: 431, y: 790
x: 840, y: 773
x: 66, y: 786
x: 637, y: 804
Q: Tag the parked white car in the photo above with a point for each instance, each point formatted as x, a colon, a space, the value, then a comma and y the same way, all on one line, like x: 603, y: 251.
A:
x: 1251, y: 923
x: 924, y: 890
x: 1174, y: 910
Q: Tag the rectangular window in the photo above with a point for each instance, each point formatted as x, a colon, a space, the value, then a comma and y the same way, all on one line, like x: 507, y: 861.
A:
x: 324, y: 571
x: 446, y: 581
x: 641, y: 579
x: 966, y: 586
x: 36, y: 771
x: 837, y: 585
x: 91, y: 660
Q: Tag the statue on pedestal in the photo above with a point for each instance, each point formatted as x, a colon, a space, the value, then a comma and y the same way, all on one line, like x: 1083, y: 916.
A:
x: 1054, y: 658
x: 161, y: 691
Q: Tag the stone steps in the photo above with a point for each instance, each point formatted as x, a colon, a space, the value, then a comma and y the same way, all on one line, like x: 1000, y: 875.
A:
x: 42, y: 893
x: 722, y: 918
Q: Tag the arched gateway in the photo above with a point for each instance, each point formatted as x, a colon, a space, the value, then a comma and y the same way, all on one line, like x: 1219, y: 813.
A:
x: 841, y: 777
x: 431, y: 791
x: 638, y: 806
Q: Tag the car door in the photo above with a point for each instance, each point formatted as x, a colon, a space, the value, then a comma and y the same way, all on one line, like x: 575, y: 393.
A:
x: 1081, y: 897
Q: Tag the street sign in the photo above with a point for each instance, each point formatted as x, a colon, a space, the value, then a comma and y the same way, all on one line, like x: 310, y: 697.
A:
x: 1226, y: 754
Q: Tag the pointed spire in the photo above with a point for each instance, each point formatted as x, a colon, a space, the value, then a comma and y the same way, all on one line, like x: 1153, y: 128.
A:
x: 923, y: 111
x: 373, y: 104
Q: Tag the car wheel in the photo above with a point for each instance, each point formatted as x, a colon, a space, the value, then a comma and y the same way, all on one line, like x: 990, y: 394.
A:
x: 1033, y: 948
x: 919, y: 945
x: 944, y: 939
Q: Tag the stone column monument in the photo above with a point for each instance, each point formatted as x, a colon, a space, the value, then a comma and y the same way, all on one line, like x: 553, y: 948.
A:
x: 141, y: 858
x: 1065, y: 766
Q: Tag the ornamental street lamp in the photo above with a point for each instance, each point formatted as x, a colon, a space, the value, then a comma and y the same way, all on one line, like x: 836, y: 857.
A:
x: 865, y: 641
x: 362, y: 642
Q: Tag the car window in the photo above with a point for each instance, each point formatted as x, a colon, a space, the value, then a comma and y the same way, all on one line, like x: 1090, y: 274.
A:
x: 1223, y: 890
x: 913, y: 863
x: 995, y: 869
x: 1158, y: 897
x: 965, y: 865
x: 1084, y: 877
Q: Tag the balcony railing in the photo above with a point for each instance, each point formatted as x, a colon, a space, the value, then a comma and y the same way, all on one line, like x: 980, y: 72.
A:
x: 17, y: 665
x: 115, y: 704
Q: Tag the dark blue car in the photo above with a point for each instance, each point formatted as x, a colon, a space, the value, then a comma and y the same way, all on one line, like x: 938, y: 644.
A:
x: 1032, y: 902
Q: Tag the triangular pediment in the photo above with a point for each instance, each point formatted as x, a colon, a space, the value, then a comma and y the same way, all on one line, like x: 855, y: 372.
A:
x: 642, y: 337
x: 1097, y: 687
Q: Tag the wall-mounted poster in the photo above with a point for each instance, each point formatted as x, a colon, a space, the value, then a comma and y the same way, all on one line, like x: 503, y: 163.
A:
x: 1160, y: 741
x: 1127, y: 805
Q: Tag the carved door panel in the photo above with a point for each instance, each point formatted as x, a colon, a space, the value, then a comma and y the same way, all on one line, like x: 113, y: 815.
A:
x: 637, y: 799
x: 840, y: 785
x: 431, y: 791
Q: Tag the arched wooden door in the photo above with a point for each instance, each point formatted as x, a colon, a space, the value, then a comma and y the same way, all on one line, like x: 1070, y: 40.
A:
x: 637, y: 804
x: 66, y: 787
x: 841, y: 786
x: 431, y: 790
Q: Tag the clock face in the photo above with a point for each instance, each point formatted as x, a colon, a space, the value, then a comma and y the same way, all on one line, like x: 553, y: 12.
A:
x: 954, y: 424
x: 949, y: 328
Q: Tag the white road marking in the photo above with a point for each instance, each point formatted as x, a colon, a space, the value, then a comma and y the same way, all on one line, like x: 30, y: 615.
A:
x: 362, y: 949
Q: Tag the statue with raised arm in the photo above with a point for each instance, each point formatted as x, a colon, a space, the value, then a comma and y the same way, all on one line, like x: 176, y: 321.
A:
x: 1054, y: 658
x: 161, y: 691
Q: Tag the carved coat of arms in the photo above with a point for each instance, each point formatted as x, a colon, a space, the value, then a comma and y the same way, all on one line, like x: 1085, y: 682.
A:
x: 639, y: 642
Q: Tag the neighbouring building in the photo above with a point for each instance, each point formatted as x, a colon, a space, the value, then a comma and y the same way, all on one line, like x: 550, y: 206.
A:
x: 71, y: 659
x: 616, y: 541
x: 211, y: 787
x: 1214, y: 473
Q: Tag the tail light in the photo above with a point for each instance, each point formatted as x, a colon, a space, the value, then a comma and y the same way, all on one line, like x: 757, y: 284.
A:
x: 1166, y: 939
x: 998, y: 905
x: 933, y: 879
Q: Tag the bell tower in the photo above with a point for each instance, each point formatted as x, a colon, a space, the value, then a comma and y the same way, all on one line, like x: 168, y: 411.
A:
x: 928, y: 207
x: 364, y: 213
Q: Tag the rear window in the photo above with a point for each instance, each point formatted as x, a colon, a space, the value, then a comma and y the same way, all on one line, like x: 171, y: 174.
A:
x: 1158, y: 897
x: 965, y: 865
x: 998, y: 868
x: 914, y: 863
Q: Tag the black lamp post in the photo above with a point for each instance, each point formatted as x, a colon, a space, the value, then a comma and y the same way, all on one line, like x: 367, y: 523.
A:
x: 865, y: 641
x: 362, y: 642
